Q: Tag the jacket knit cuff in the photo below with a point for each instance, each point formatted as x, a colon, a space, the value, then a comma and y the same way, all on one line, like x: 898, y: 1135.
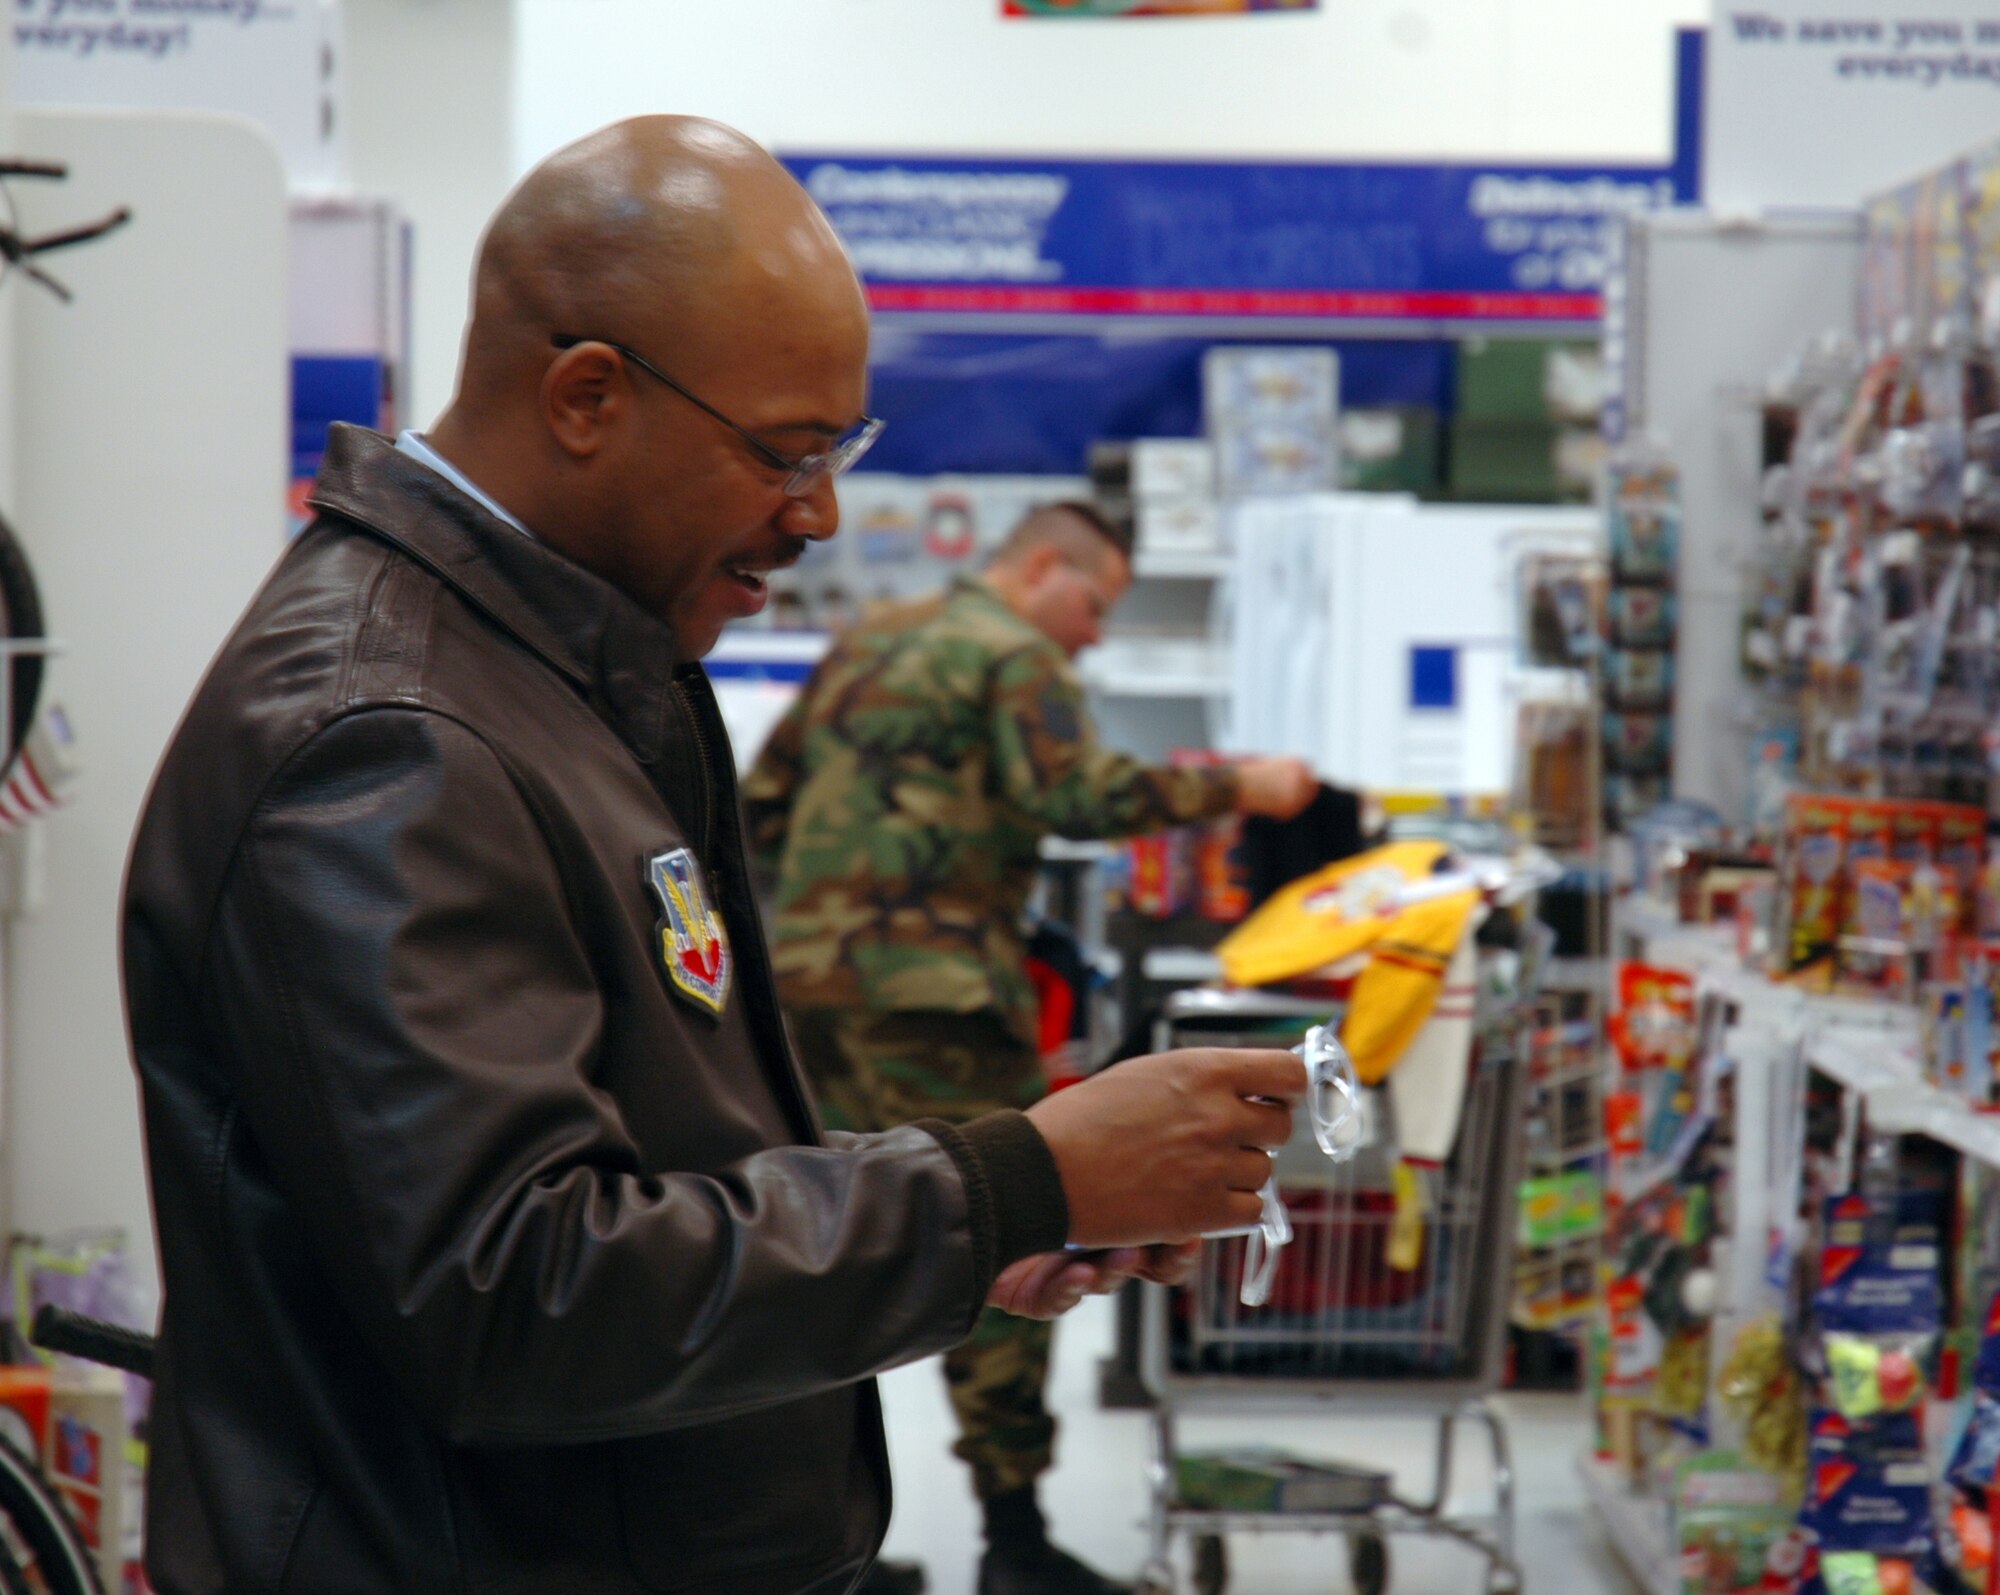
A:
x: 1013, y: 1193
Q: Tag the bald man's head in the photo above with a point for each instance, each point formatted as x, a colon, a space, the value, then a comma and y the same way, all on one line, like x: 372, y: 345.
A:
x: 634, y: 232
x: 662, y: 322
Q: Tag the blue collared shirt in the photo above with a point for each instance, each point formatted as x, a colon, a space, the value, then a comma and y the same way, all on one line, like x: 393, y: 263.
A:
x: 413, y: 444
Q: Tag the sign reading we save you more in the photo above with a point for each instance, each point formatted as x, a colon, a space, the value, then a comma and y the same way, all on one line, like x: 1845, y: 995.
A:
x: 274, y: 61
x: 1825, y: 102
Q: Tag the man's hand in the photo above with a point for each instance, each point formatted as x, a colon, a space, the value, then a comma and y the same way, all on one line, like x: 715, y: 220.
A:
x: 1172, y: 1146
x: 1050, y: 1285
x: 1276, y: 788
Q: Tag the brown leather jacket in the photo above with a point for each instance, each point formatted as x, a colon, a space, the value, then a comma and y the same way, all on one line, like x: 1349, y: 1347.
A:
x: 496, y: 1259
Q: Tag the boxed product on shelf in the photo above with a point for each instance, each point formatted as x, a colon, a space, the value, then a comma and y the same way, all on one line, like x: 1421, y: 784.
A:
x: 1262, y: 382
x: 1172, y: 468
x: 1876, y: 892
x: 1728, y: 1517
x: 1276, y: 455
x: 1177, y: 526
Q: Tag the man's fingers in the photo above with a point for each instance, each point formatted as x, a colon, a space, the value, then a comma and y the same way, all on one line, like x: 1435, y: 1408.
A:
x: 1265, y: 1124
x: 1242, y: 1209
x: 1265, y: 1072
x: 1247, y: 1169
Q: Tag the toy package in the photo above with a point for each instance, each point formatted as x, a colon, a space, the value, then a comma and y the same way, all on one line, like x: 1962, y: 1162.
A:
x: 1878, y: 1315
x: 1813, y: 877
x: 1867, y: 1510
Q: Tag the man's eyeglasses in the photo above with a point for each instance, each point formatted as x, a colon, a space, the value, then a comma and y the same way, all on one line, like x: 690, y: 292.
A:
x: 805, y: 472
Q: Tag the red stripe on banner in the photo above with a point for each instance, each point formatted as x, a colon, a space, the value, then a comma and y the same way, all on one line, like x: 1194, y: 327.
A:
x: 1338, y: 305
x: 34, y: 775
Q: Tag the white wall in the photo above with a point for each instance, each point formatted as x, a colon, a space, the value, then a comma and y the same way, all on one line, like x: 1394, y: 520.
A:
x: 1364, y: 78
x: 151, y: 501
x: 429, y: 125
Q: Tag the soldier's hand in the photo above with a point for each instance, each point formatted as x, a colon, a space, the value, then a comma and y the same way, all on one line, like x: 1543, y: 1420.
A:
x: 1050, y: 1285
x: 1277, y: 788
x: 1165, y: 1148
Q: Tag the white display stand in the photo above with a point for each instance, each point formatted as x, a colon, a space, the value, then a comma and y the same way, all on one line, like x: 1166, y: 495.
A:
x: 1330, y: 594
x: 1699, y: 317
x: 151, y: 446
x: 1871, y: 1049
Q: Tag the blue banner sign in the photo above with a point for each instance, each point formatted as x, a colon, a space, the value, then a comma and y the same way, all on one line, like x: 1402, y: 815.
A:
x: 1203, y: 242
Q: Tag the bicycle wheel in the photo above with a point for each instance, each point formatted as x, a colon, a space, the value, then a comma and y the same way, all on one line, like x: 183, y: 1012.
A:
x: 48, y: 1554
x: 20, y: 621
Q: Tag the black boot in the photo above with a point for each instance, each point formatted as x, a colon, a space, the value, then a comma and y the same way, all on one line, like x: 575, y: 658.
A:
x: 892, y: 1578
x: 1019, y: 1559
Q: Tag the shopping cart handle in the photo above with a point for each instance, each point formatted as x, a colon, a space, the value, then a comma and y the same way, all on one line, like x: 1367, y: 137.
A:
x: 59, y: 1329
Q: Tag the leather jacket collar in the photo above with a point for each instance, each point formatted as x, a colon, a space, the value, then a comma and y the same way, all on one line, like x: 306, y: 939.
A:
x: 612, y: 650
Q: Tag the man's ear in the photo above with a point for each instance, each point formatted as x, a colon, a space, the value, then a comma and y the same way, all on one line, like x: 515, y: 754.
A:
x: 1038, y: 562
x: 584, y: 392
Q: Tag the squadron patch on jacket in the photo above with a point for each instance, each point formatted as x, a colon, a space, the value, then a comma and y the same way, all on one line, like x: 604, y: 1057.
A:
x: 694, y: 945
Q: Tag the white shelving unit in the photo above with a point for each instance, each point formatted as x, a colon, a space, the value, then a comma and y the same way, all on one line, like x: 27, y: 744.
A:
x: 1636, y: 1525
x: 1871, y: 1048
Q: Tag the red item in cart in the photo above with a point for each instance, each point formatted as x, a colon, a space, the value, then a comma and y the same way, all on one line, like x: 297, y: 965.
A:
x: 1339, y: 1256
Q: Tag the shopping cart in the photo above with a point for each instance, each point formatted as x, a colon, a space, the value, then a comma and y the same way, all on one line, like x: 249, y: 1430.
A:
x: 1367, y: 1315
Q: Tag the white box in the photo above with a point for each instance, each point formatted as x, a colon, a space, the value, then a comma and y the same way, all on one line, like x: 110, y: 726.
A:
x: 1178, y: 526
x: 1255, y: 458
x: 1300, y: 384
x: 1172, y: 468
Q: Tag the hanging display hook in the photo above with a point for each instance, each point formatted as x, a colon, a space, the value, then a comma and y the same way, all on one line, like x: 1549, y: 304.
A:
x: 17, y: 249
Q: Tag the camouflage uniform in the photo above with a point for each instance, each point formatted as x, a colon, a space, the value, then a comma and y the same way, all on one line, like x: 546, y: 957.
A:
x: 902, y: 802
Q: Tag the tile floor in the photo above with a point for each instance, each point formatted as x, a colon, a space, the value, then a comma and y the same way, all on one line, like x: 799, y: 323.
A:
x: 1096, y: 1497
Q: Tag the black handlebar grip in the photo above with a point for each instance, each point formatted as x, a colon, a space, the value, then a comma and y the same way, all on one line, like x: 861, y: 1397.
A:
x: 59, y: 1329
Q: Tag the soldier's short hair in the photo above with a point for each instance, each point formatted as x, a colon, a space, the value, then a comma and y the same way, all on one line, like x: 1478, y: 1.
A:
x: 1058, y: 525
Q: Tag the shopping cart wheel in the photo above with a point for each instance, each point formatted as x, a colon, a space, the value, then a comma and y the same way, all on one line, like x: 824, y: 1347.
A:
x: 1211, y: 1565
x: 1368, y: 1563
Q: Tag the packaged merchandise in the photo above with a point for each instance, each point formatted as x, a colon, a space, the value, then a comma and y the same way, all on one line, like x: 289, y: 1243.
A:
x: 1655, y: 1026
x: 1639, y: 679
x: 1875, y: 946
x: 1641, y: 617
x: 1878, y: 1315
x: 1868, y: 1489
x: 1645, y: 524
x: 1162, y: 867
x: 1727, y: 1519
x: 1813, y: 877
x: 1759, y: 1385
x: 1637, y: 744
x: 1222, y: 872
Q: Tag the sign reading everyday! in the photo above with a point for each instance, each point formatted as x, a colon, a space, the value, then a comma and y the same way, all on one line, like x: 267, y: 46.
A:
x: 274, y: 61
x: 1823, y: 102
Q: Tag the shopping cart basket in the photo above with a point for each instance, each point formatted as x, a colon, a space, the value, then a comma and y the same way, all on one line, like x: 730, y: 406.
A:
x: 1391, y: 1301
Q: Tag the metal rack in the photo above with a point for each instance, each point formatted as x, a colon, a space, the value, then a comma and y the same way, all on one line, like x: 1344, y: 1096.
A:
x: 1346, y: 1329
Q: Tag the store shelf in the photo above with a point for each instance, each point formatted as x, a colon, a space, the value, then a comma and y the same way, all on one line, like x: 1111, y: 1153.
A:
x: 1188, y: 964
x: 1924, y: 1110
x: 1180, y: 567
x: 1576, y: 974
x: 1061, y: 850
x: 1635, y: 1525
